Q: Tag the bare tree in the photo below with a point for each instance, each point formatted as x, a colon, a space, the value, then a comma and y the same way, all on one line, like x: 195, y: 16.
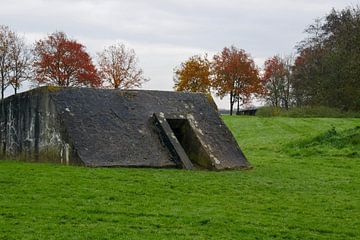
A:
x: 288, y: 62
x: 6, y: 36
x: 14, y: 60
x: 118, y: 67
x: 20, y: 63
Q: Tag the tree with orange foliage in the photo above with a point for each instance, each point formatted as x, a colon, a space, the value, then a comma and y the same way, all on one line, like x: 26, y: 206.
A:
x: 276, y: 81
x: 193, y: 75
x: 118, y: 67
x: 63, y: 62
x: 235, y: 73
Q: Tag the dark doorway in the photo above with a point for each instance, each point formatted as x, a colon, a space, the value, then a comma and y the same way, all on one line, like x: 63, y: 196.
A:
x: 190, y: 143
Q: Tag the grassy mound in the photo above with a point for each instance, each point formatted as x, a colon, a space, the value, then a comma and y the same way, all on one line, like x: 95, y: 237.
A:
x: 330, y: 143
x: 282, y: 197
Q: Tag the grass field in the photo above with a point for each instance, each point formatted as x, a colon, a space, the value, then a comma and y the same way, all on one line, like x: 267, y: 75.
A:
x: 305, y: 184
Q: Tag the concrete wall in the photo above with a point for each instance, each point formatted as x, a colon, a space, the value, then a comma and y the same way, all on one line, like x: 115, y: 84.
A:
x: 30, y: 129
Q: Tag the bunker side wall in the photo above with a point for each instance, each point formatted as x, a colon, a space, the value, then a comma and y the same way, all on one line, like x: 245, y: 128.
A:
x: 31, y: 131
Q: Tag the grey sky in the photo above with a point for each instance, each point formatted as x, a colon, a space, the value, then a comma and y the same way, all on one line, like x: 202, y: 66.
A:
x: 165, y: 33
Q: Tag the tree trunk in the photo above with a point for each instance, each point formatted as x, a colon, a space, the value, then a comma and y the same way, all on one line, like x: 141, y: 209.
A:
x: 2, y: 116
x: 238, y: 106
x: 2, y: 85
x: 231, y: 103
x: 286, y: 104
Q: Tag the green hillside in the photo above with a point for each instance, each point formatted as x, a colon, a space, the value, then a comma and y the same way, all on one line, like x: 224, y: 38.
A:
x: 304, y: 185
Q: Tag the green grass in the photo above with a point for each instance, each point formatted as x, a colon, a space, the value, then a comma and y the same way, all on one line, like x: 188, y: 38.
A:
x: 287, y: 195
x: 306, y: 111
x: 331, y: 143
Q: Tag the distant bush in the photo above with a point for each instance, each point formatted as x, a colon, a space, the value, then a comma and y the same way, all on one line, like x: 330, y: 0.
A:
x: 314, y: 111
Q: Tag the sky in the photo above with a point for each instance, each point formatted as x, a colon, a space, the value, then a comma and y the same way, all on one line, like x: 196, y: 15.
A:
x: 165, y: 33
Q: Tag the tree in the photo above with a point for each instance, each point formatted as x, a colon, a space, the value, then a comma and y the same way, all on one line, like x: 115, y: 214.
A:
x: 276, y: 81
x: 6, y: 39
x: 235, y: 73
x: 118, y: 67
x: 288, y: 62
x: 342, y: 59
x: 14, y: 60
x: 20, y: 63
x: 193, y: 75
x: 307, y: 77
x: 63, y: 62
x: 308, y: 71
x: 327, y: 69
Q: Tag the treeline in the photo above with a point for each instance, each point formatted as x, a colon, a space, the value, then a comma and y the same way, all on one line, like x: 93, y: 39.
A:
x: 57, y: 60
x: 325, y: 71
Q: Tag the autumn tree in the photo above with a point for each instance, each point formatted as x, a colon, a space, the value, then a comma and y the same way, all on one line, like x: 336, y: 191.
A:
x: 276, y: 80
x: 235, y: 74
x: 193, y: 75
x: 119, y: 67
x: 63, y: 62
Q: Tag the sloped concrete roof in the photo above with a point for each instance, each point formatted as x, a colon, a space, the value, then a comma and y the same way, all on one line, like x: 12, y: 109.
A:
x: 102, y: 127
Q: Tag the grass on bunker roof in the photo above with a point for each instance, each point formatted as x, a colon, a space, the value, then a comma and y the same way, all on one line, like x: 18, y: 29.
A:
x: 305, y: 184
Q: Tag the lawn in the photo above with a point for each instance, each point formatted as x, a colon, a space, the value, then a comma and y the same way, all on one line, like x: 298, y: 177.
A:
x: 304, y: 184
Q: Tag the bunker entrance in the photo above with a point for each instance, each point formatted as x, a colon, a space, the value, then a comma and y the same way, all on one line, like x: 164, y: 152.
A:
x: 190, y: 143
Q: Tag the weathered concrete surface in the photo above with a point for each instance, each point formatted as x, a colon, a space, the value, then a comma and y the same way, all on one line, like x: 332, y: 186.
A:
x: 98, y: 127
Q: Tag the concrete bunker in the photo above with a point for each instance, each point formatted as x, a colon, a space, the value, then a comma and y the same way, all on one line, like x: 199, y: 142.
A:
x: 115, y: 128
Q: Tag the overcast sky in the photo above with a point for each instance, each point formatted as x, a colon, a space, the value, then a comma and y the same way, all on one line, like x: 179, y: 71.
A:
x: 165, y: 33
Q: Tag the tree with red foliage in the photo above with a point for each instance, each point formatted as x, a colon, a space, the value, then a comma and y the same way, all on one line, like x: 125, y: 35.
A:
x: 276, y: 81
x: 63, y: 62
x: 235, y: 73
